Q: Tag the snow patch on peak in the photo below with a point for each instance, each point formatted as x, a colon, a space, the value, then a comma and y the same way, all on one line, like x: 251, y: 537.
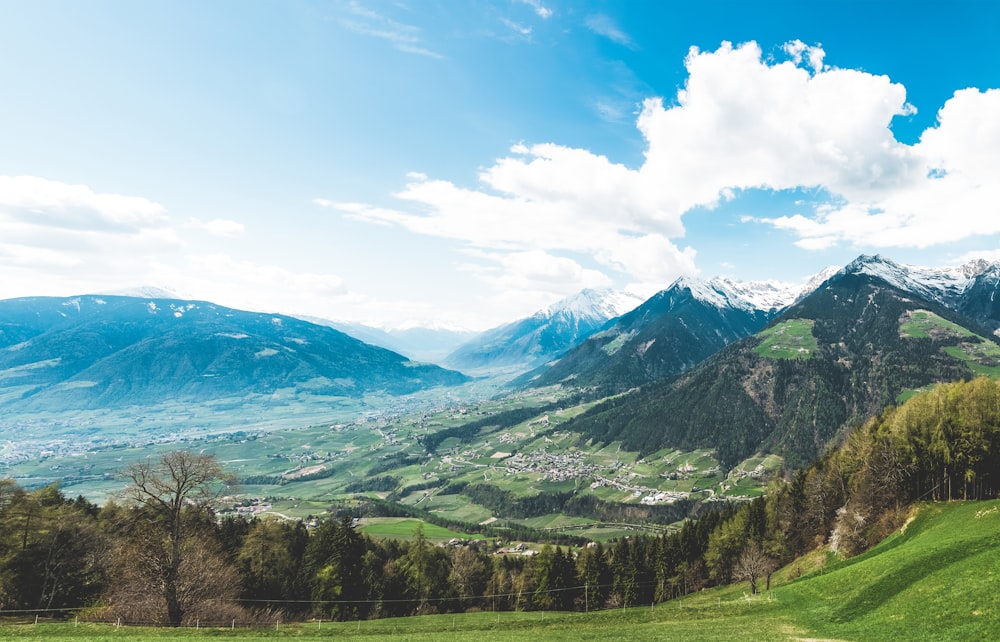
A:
x: 941, y: 284
x: 744, y: 295
x: 146, y: 292
x: 595, y: 303
x: 978, y: 267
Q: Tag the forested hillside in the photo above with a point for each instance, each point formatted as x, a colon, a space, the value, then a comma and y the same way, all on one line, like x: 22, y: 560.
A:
x: 835, y: 358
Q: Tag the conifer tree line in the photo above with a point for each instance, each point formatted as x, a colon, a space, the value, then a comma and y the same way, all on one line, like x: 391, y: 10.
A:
x: 160, y: 556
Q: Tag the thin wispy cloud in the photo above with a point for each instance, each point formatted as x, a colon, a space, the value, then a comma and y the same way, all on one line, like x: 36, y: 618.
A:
x: 602, y: 25
x: 404, y: 37
x: 518, y: 28
x: 540, y: 10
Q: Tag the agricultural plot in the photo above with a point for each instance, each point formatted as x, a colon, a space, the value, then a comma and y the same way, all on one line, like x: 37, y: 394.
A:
x: 303, y: 469
x: 404, y: 529
x: 792, y: 339
x: 981, y: 355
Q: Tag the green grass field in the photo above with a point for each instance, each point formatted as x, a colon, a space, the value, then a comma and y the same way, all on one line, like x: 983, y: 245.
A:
x: 937, y: 579
x: 792, y: 339
x: 983, y: 357
x: 402, y: 528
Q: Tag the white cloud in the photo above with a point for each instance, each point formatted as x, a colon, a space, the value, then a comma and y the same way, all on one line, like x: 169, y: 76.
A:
x: 547, y: 198
x: 218, y: 227
x: 255, y: 285
x: 540, y: 9
x: 404, y: 37
x: 516, y: 27
x: 60, y: 239
x: 537, y: 271
x: 740, y: 122
x: 813, y: 54
x: 44, y: 203
x: 40, y: 218
x: 952, y: 192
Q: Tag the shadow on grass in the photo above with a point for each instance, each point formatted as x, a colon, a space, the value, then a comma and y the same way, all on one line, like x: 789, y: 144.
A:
x: 907, y: 576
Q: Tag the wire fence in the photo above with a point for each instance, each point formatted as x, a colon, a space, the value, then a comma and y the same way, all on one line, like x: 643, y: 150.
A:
x: 276, y: 620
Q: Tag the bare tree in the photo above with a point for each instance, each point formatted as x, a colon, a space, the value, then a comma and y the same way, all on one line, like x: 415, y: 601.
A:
x: 169, y: 493
x: 753, y: 564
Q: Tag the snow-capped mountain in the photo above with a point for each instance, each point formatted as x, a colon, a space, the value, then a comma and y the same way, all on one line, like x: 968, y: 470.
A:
x: 743, y: 295
x: 758, y: 395
x: 597, y: 304
x: 146, y: 292
x: 544, y: 335
x: 969, y: 288
x: 672, y: 331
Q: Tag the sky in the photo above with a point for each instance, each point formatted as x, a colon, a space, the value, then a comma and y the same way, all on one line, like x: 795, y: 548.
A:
x: 465, y: 163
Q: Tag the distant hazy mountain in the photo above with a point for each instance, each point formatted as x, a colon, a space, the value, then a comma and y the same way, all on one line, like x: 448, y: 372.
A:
x: 105, y: 351
x: 545, y: 334
x: 836, y: 357
x: 671, y: 332
x: 421, y: 343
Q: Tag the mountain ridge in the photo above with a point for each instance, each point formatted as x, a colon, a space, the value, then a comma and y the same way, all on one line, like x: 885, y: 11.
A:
x: 533, y: 340
x: 859, y: 350
x: 101, y: 350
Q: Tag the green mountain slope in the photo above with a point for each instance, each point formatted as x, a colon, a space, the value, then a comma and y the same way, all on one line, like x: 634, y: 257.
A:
x: 110, y: 351
x: 671, y: 332
x: 935, y: 580
x: 835, y: 358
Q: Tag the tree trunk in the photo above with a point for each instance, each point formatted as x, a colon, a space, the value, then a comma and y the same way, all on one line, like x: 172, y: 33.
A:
x: 175, y: 614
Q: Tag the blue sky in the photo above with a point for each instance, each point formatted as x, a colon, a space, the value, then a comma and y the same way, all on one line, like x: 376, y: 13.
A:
x: 469, y: 162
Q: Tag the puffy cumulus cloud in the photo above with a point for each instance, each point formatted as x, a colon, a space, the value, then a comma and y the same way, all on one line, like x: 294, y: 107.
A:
x: 740, y: 122
x: 546, y: 198
x: 58, y: 238
x: 537, y: 271
x: 38, y: 202
x: 952, y: 195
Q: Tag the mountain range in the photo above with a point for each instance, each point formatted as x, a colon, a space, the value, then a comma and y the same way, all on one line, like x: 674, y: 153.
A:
x: 738, y: 367
x: 417, y: 342
x: 102, y: 351
x: 671, y: 332
x: 863, y: 339
x: 544, y: 335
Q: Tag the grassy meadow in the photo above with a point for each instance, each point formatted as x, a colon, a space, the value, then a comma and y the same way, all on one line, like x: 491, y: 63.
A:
x: 935, y: 579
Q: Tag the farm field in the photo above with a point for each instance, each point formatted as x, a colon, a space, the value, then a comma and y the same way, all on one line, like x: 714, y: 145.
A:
x: 420, y: 457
